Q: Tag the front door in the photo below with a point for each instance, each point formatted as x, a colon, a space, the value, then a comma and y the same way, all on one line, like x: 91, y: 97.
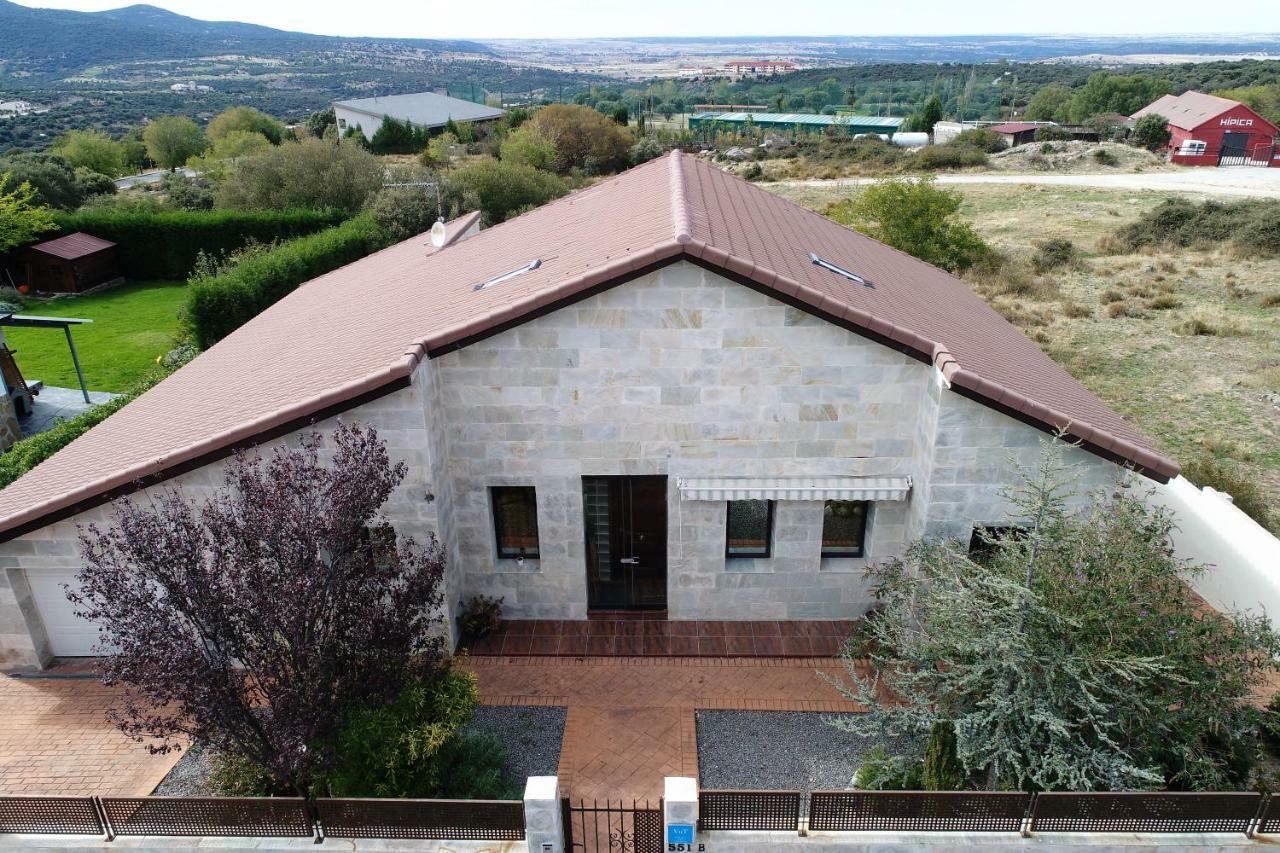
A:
x: 626, y: 529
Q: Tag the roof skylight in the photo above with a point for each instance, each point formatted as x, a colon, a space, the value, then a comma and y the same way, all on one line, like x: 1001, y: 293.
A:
x: 507, y: 276
x: 840, y: 271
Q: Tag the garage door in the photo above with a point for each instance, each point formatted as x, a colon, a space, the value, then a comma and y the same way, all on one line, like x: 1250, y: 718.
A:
x: 69, y: 635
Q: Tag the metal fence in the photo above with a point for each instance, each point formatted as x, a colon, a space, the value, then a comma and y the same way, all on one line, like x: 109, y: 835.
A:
x: 747, y: 810
x: 1145, y: 812
x: 268, y: 817
x: 443, y: 820
x: 917, y: 811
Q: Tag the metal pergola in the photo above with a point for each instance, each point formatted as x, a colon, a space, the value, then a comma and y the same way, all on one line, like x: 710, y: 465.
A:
x: 32, y: 321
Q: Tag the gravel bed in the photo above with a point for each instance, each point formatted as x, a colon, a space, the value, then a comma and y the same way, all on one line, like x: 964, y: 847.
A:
x: 777, y: 750
x: 532, y: 736
x: 188, y: 778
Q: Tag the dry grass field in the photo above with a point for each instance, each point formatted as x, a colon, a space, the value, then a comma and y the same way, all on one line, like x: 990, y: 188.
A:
x: 1184, y: 343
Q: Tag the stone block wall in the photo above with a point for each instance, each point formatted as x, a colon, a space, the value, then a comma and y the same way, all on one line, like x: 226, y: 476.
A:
x: 400, y: 420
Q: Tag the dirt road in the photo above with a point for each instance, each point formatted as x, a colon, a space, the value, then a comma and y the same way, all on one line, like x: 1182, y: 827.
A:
x: 1242, y: 181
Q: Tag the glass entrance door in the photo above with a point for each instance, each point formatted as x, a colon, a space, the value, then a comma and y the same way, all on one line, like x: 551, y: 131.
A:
x: 626, y: 528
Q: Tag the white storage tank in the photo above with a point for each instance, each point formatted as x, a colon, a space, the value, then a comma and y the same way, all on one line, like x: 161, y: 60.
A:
x: 911, y: 140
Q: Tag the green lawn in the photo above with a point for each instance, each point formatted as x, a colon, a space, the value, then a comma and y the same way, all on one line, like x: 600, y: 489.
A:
x: 133, y: 325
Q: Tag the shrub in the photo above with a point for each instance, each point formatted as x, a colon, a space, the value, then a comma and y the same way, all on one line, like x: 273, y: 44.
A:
x: 916, y: 217
x: 1151, y: 132
x: 1076, y: 310
x: 980, y: 138
x: 879, y: 772
x: 472, y: 767
x: 309, y: 173
x: 502, y: 189
x: 395, y: 750
x: 398, y: 137
x: 942, y: 770
x: 583, y: 138
x: 51, y: 176
x: 1121, y: 308
x: 185, y: 193
x: 92, y: 150
x: 480, y: 616
x: 754, y: 172
x: 1233, y: 479
x: 1103, y: 157
x: 1052, y: 133
x: 403, y: 212
x: 247, y: 119
x: 1251, y: 227
x: 948, y: 156
x: 93, y: 183
x: 1210, y: 325
x: 1054, y: 253
x: 164, y: 244
x: 1163, y: 302
x: 220, y: 304
x: 528, y: 146
x: 231, y: 775
x: 173, y: 140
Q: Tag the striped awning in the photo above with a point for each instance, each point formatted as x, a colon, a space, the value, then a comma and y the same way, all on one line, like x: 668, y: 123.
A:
x: 795, y: 488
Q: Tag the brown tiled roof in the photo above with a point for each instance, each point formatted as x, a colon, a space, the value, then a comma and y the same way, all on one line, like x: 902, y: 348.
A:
x: 304, y: 358
x: 1016, y: 126
x: 73, y: 246
x: 1190, y: 109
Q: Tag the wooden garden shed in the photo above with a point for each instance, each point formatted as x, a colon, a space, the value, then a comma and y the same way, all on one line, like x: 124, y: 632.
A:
x: 70, y: 264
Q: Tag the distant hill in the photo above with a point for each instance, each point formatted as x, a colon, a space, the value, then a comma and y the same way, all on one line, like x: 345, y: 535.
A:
x: 60, y: 42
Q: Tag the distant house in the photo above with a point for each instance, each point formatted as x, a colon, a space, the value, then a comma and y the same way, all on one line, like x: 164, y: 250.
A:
x: 69, y: 264
x: 1017, y: 132
x: 1206, y: 130
x: 423, y: 109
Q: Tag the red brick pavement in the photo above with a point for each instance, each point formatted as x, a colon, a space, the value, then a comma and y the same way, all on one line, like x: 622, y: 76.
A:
x: 55, y: 739
x: 630, y: 720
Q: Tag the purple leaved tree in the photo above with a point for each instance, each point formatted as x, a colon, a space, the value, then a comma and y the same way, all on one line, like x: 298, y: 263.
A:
x: 255, y: 620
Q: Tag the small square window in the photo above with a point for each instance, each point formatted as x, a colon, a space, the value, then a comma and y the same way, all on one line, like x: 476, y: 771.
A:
x: 844, y: 528
x: 749, y: 531
x: 515, y: 521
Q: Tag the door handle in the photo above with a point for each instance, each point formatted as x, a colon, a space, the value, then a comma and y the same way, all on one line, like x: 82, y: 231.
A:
x: 629, y: 561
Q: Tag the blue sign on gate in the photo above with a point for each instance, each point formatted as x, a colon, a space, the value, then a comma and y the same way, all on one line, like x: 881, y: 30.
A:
x: 680, y: 833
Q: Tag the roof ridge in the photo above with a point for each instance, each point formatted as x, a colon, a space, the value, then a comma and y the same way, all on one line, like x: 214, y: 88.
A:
x: 681, y: 220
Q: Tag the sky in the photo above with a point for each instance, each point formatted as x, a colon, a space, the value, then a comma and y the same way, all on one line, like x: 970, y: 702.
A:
x: 597, y: 18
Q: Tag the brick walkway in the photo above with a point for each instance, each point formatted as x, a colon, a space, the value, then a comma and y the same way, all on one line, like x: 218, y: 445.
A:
x: 631, y: 719
x: 55, y: 739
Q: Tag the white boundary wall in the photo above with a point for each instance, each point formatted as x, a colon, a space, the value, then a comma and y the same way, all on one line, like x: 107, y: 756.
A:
x: 1244, y: 558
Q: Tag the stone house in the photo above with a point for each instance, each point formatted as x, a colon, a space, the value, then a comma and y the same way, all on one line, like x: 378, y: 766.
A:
x: 672, y: 390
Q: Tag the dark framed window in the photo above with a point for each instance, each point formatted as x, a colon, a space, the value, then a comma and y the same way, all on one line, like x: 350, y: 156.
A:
x: 844, y: 528
x: 749, y: 530
x: 380, y: 540
x: 515, y: 521
x: 985, y: 540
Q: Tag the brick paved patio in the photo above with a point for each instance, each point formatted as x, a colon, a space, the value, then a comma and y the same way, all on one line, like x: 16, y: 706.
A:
x: 631, y: 719
x: 55, y: 739
x: 660, y: 638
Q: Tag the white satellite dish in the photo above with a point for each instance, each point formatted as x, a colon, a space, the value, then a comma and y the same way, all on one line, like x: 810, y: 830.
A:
x: 438, y: 233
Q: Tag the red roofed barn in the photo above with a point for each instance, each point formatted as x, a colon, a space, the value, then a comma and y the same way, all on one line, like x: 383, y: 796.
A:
x: 1210, y: 131
x: 672, y: 391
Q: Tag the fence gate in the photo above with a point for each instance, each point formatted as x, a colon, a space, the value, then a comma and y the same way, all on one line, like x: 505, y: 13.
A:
x: 597, y: 827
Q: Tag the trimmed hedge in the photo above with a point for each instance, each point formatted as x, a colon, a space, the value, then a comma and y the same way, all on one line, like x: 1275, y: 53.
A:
x: 218, y: 306
x: 164, y: 244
